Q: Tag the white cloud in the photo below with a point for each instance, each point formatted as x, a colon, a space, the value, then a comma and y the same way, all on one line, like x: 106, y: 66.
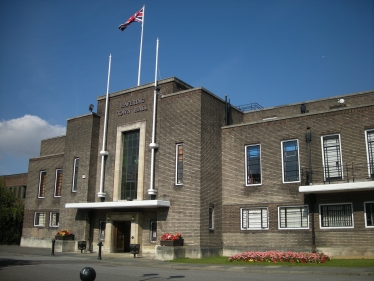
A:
x: 22, y: 136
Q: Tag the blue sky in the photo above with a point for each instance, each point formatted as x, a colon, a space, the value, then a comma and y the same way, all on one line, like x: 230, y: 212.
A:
x: 54, y: 56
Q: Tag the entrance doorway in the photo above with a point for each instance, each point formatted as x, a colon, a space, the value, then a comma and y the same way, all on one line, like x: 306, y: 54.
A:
x: 122, y: 236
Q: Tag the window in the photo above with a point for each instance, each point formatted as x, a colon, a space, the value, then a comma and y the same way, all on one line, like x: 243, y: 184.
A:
x: 211, y: 218
x: 253, y: 164
x: 179, y: 163
x: 54, y: 219
x: 153, y: 232
x: 370, y: 151
x: 102, y: 230
x: 130, y: 159
x: 75, y: 175
x: 369, y: 214
x: 332, y: 160
x: 290, y: 161
x: 336, y: 216
x: 293, y: 217
x: 42, y: 183
x: 39, y: 219
x: 58, y: 183
x: 254, y: 218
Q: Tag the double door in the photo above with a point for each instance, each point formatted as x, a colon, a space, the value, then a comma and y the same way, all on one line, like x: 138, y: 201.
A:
x: 122, y: 236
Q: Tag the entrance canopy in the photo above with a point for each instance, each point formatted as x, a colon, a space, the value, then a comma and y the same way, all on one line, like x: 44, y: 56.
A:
x: 119, y: 204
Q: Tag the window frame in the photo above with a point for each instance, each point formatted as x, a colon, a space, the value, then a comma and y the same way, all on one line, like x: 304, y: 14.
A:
x: 153, y: 232
x: 37, y: 214
x: 74, y: 186
x: 179, y: 181
x: 51, y: 220
x: 370, y: 152
x: 57, y: 182
x: 211, y: 218
x: 365, y: 214
x: 335, y: 227
x: 324, y: 160
x: 293, y: 228
x: 246, y: 165
x: 262, y: 222
x: 42, y: 183
x: 283, y: 160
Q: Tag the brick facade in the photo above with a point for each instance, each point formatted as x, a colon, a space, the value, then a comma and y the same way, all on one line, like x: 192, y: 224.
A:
x: 213, y: 172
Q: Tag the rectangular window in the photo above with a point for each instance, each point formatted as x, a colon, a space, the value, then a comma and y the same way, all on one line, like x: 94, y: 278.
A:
x: 54, y: 219
x: 42, y: 183
x: 75, y: 175
x: 211, y: 218
x: 130, y: 159
x: 39, y: 219
x: 102, y: 230
x: 369, y: 214
x: 153, y: 232
x: 293, y: 217
x: 58, y: 182
x: 290, y: 161
x: 179, y: 163
x: 253, y: 164
x: 370, y: 152
x: 254, y: 218
x: 332, y: 159
x: 336, y: 216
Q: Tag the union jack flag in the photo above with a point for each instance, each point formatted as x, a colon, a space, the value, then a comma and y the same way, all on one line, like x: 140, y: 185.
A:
x: 138, y: 17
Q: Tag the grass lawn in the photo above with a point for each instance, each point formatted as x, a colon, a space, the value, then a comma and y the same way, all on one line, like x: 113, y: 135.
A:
x: 332, y: 263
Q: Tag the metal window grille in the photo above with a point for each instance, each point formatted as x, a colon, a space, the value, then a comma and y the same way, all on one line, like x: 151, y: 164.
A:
x: 39, y: 219
x: 255, y: 218
x: 54, y: 219
x: 332, y: 158
x: 336, y: 215
x: 293, y: 217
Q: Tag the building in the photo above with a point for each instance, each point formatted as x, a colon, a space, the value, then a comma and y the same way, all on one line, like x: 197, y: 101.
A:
x: 17, y: 184
x: 296, y: 177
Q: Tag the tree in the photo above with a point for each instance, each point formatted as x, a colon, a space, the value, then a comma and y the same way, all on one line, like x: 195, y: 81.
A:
x: 11, y: 216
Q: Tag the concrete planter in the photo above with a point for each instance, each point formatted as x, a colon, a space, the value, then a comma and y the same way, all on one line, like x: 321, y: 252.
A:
x: 173, y: 243
x: 65, y: 237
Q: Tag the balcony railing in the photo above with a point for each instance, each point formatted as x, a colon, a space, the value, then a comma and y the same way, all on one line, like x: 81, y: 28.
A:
x: 346, y: 173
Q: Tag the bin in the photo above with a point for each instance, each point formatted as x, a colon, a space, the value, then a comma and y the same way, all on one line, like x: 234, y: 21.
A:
x: 134, y: 249
x: 82, y: 245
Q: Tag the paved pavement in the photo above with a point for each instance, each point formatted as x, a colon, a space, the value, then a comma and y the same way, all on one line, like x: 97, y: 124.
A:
x: 115, y: 259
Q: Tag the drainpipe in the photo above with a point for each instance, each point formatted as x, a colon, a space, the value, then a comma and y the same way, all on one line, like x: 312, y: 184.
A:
x: 153, y: 145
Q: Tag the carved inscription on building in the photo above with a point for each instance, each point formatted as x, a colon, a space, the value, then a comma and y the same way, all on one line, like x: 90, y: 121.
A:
x: 133, y: 106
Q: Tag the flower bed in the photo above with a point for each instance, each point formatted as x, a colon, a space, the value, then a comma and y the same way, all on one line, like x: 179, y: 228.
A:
x: 274, y: 256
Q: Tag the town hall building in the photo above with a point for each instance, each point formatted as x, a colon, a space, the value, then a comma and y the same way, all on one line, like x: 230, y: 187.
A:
x: 178, y: 159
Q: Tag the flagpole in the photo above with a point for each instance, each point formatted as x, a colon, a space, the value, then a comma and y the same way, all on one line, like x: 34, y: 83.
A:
x: 141, y: 46
x: 153, y: 145
x: 103, y: 152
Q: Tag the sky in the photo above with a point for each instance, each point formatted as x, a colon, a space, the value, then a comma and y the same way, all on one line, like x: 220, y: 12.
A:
x: 54, y: 56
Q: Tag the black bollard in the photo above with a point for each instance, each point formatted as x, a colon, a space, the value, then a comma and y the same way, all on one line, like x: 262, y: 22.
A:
x: 100, y: 244
x: 53, y: 247
x: 87, y: 274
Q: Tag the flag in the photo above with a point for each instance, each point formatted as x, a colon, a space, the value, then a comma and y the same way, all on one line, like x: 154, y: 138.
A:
x: 138, y: 17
